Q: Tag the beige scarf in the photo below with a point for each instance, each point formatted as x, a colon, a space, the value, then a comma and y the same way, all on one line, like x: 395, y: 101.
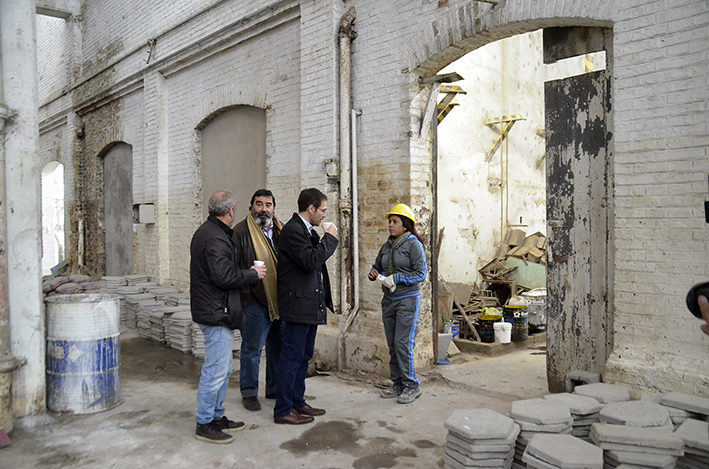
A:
x: 265, y: 253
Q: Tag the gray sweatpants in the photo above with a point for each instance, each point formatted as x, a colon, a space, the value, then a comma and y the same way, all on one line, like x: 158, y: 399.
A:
x: 400, y: 317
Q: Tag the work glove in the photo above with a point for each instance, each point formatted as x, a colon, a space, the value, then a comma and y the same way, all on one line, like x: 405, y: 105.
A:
x: 389, y: 283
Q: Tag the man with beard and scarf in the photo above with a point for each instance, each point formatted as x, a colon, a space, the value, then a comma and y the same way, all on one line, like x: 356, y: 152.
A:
x: 256, y: 238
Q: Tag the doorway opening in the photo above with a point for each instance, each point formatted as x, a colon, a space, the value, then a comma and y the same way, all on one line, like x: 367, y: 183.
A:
x: 491, y: 189
x: 53, y: 241
x: 118, y: 209
x: 233, y: 155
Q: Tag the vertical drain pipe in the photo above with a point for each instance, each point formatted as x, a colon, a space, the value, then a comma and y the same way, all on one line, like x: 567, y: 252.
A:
x: 346, y: 34
x: 355, y: 251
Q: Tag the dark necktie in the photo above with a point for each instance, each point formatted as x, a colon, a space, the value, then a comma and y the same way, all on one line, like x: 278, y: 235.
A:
x: 314, y: 237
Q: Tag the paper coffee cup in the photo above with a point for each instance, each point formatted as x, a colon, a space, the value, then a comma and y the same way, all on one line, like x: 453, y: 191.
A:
x: 258, y: 263
x: 327, y: 224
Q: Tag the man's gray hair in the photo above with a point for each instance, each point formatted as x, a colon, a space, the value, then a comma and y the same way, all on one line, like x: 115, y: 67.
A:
x: 220, y: 203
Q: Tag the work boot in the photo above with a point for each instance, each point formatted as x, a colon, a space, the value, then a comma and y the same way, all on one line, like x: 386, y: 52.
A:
x: 229, y: 426
x: 211, y: 433
x: 391, y: 392
x: 408, y: 395
x: 251, y: 403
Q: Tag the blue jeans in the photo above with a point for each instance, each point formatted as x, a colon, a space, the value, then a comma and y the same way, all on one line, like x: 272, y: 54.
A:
x: 298, y: 348
x: 256, y: 331
x: 216, y: 371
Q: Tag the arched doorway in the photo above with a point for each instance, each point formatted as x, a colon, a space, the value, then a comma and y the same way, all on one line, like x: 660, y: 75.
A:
x: 234, y: 155
x: 53, y: 242
x: 576, y: 163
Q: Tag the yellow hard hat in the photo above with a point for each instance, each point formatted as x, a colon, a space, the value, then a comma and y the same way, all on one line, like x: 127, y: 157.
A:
x: 402, y: 210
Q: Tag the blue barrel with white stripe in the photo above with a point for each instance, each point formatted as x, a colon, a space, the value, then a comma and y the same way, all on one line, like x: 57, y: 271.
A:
x: 83, y: 353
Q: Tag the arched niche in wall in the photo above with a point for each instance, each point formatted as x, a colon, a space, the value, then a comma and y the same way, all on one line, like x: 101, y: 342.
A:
x: 234, y: 155
x: 53, y: 241
x: 118, y: 208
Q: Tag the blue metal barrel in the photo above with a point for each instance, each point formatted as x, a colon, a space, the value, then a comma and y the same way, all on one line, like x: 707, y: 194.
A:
x: 83, y: 353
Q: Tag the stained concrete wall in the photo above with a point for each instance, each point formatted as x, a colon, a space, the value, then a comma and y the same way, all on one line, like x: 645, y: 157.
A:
x: 204, y: 59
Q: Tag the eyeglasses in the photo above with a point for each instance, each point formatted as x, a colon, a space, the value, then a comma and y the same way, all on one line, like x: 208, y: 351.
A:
x: 323, y: 211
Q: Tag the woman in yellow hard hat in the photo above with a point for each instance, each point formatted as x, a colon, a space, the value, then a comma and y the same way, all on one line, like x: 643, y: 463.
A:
x: 401, y: 267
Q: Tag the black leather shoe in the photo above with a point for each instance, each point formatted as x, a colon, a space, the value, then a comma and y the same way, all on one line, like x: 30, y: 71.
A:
x: 294, y: 418
x: 270, y: 395
x: 251, y: 403
x: 312, y: 411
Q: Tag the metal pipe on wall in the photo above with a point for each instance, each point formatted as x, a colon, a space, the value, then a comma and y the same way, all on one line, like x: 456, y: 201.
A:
x: 346, y: 34
x: 355, y: 252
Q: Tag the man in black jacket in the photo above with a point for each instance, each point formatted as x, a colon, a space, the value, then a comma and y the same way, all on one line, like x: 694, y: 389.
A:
x: 303, y: 295
x: 216, y: 306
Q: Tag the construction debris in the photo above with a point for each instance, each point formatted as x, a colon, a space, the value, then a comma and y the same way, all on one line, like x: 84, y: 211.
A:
x: 519, y: 266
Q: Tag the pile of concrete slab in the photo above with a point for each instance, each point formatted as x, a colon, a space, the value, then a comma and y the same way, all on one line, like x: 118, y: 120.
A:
x: 538, y: 416
x: 603, y: 392
x: 584, y: 410
x: 197, y: 341
x: 551, y: 451
x: 637, y: 414
x: 695, y: 435
x: 637, y: 446
x: 479, y: 438
x: 179, y: 330
x: 678, y: 416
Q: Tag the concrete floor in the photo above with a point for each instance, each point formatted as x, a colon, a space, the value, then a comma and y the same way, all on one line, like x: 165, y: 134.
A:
x: 154, y: 425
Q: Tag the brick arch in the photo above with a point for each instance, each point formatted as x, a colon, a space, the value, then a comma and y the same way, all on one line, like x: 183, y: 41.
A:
x: 224, y: 98
x: 466, y: 28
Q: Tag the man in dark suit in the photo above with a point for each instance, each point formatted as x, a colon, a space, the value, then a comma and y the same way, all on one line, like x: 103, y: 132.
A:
x: 303, y: 295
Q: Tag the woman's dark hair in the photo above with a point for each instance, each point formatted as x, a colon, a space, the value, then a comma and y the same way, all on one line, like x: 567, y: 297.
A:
x: 308, y: 197
x: 409, y: 226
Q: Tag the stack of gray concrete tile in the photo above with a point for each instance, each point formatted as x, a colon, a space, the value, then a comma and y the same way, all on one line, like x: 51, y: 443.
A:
x: 145, y: 309
x: 479, y: 438
x: 146, y: 286
x: 132, y: 305
x: 110, y: 284
x: 637, y: 447
x: 634, y: 460
x: 584, y: 410
x: 603, y: 392
x: 136, y: 278
x: 169, y: 312
x: 678, y: 416
x: 551, y: 451
x: 122, y: 292
x: 695, y: 435
x: 536, y: 416
x: 637, y: 414
x: 697, y: 405
x: 197, y: 341
x: 163, y: 293
x: 179, y: 329
x: 157, y: 328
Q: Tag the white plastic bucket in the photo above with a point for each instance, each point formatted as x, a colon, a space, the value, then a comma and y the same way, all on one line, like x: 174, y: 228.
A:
x: 503, y: 332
